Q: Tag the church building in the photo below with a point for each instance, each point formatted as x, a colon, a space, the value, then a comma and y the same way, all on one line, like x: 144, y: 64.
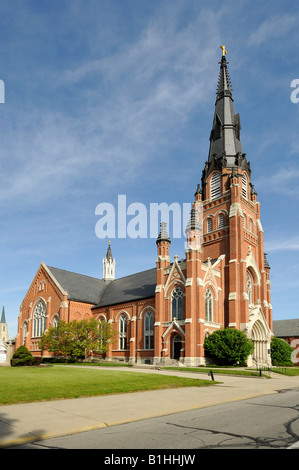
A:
x: 164, y: 314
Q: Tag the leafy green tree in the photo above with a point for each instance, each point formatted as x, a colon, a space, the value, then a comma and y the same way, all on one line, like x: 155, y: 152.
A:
x: 280, y: 352
x: 22, y: 357
x: 76, y: 338
x: 229, y: 346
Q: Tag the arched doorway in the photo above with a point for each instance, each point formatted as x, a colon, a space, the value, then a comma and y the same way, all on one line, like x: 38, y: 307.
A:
x: 259, y: 338
x: 176, y: 347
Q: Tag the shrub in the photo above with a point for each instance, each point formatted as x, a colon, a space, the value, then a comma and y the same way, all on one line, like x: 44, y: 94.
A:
x: 281, y: 352
x: 22, y: 357
x: 229, y: 346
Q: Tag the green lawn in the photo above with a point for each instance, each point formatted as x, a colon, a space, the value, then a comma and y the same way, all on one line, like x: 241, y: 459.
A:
x: 29, y: 384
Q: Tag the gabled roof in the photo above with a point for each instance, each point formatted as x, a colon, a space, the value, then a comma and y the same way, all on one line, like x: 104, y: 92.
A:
x: 80, y: 288
x: 286, y: 328
x: 129, y: 288
x: 101, y: 293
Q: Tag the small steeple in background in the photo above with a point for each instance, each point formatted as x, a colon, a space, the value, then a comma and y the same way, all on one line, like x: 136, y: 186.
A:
x: 108, y: 265
x: 3, y: 315
x: 3, y: 327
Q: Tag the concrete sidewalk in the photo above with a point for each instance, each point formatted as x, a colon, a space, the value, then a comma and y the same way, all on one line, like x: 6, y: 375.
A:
x: 30, y: 422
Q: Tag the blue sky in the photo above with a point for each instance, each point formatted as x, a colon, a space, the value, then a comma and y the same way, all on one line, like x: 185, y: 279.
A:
x: 114, y: 97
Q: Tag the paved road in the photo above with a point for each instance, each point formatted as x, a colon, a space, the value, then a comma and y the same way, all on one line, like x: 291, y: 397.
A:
x: 268, y: 422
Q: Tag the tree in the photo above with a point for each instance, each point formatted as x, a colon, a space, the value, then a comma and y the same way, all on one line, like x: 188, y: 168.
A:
x: 76, y: 338
x: 22, y: 357
x: 281, y: 352
x: 229, y: 346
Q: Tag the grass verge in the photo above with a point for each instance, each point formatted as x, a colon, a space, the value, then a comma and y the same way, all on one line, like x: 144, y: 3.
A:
x: 31, y: 384
x: 249, y: 373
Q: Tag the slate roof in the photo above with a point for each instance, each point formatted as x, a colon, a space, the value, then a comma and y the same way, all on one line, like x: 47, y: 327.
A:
x: 79, y: 287
x: 101, y: 293
x: 285, y: 328
x: 129, y: 288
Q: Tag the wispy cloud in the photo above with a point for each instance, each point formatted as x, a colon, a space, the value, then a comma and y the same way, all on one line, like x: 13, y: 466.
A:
x: 137, y: 95
x: 284, y: 244
x: 284, y: 181
x: 272, y: 28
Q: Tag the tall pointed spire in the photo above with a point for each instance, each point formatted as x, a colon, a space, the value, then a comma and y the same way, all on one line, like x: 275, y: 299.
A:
x: 225, y: 142
x: 3, y: 316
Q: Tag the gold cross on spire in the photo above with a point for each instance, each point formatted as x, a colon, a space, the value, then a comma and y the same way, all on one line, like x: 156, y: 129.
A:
x: 224, y: 51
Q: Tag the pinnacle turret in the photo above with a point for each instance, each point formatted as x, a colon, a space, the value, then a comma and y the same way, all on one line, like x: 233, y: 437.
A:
x: 163, y: 235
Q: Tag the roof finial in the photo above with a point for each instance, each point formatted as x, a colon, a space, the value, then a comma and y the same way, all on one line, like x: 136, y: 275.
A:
x: 224, y: 51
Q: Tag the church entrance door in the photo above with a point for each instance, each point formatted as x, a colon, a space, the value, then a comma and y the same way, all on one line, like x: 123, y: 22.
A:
x: 177, y: 346
x: 260, y: 344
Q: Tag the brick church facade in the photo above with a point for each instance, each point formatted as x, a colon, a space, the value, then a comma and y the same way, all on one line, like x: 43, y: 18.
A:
x: 165, y: 313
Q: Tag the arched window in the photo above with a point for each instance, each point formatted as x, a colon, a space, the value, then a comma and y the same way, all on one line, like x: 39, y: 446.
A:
x: 249, y: 288
x: 209, y: 305
x: 244, y: 186
x: 177, y: 303
x: 123, y: 332
x: 39, y: 319
x: 55, y: 321
x: 250, y: 225
x: 215, y: 186
x: 149, y: 330
x: 221, y: 220
x: 209, y: 225
x: 25, y: 331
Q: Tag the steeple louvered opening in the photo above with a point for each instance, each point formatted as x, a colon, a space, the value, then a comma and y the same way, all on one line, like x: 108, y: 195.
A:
x: 215, y: 186
x: 244, y: 186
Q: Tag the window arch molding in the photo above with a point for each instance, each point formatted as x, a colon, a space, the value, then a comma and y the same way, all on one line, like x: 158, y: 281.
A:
x: 122, y: 312
x: 101, y: 317
x: 250, y: 224
x: 55, y: 320
x: 171, y: 286
x: 205, y: 222
x: 221, y: 220
x: 145, y: 310
x: 209, y: 224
